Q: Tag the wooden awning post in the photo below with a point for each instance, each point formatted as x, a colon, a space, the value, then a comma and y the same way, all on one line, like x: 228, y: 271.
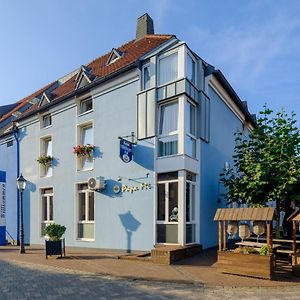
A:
x: 294, y: 243
x: 224, y: 235
x: 269, y: 242
x: 220, y: 236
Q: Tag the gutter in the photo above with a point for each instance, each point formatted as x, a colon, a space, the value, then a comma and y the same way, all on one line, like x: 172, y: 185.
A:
x: 16, y: 136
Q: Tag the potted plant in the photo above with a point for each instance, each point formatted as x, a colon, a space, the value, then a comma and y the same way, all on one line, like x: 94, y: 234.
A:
x: 84, y: 150
x: 55, y: 245
x: 45, y: 160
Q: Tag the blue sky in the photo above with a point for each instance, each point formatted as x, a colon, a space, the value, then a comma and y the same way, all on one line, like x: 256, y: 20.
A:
x: 256, y: 43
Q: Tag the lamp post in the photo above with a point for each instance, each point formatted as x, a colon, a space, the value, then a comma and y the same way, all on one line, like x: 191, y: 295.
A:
x: 21, y: 183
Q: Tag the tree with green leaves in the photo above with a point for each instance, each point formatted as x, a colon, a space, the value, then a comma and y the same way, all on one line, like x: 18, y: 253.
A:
x: 266, y: 163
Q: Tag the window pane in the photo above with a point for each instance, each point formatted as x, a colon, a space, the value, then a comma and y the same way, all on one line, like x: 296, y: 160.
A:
x: 146, y: 77
x: 168, y: 145
x: 167, y: 176
x: 168, y: 118
x: 48, y: 147
x: 173, y: 202
x: 81, y: 206
x: 168, y: 69
x: 191, y: 66
x: 87, y: 135
x: 47, y: 120
x: 161, y: 202
x: 187, y: 202
x: 44, y: 208
x: 193, y: 197
x: 86, y: 231
x: 190, y: 233
x: 86, y: 105
x: 192, y: 119
x: 51, y: 208
x: 91, y: 206
x: 190, y: 146
x: 167, y: 233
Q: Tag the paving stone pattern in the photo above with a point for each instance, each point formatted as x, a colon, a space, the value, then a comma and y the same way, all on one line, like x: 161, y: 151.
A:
x: 27, y: 281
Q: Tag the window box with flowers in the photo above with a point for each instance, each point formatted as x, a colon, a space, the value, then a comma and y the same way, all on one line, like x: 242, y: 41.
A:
x: 84, y: 154
x: 45, y: 160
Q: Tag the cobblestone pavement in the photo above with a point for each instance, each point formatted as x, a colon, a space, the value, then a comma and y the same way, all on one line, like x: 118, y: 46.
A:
x: 27, y: 281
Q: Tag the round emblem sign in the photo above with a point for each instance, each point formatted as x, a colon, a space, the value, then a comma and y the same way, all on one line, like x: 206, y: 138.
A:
x: 125, y: 158
x: 117, y: 189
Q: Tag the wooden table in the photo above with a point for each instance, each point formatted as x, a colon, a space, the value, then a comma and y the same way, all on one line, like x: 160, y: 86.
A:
x: 256, y: 245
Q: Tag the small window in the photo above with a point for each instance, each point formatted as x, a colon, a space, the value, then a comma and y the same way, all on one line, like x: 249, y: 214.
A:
x: 168, y: 68
x: 10, y: 143
x: 86, y: 105
x: 85, y: 162
x: 146, y: 77
x: 46, y: 121
x: 191, y: 69
x: 46, y: 151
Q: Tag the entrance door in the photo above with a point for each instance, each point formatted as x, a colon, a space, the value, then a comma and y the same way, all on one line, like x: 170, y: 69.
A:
x: 167, y: 208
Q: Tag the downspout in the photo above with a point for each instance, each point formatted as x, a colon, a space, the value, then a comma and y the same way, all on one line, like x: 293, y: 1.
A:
x: 16, y: 136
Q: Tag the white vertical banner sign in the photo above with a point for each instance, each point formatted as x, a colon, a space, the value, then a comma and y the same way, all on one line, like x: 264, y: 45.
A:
x: 2, y: 208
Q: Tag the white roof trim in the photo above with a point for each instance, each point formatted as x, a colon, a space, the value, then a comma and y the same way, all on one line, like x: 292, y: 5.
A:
x: 44, y: 97
x: 114, y: 55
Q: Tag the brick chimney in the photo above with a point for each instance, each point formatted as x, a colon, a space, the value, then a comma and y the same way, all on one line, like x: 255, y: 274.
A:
x: 144, y: 26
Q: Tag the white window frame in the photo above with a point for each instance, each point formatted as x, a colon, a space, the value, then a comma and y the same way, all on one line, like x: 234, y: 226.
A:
x: 173, y: 133
x: 42, y: 118
x: 192, y: 222
x: 79, y: 160
x: 162, y: 56
x: 86, y: 221
x: 43, y: 169
x: 143, y: 76
x: 187, y: 125
x: 48, y: 221
x: 188, y: 53
x: 80, y: 112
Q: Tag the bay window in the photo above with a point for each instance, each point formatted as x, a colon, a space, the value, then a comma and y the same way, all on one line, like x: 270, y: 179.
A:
x: 168, y: 129
x: 167, y: 68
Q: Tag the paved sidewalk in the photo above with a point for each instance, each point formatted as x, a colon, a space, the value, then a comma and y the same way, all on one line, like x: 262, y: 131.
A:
x: 200, y: 270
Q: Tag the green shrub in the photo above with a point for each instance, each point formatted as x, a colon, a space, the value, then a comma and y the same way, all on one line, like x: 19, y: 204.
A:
x: 55, y: 231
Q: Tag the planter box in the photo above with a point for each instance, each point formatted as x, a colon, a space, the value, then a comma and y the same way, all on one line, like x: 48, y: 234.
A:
x: 253, y: 265
x: 55, y: 248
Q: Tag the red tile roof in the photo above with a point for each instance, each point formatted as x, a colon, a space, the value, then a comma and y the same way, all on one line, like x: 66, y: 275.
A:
x: 132, y: 51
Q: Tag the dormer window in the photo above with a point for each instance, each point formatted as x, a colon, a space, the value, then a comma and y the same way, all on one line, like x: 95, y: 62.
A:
x: 84, y: 77
x: 86, y: 105
x: 114, y: 56
x: 46, y: 121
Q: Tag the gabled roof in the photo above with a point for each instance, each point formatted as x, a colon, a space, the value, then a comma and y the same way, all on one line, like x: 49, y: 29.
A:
x: 22, y: 103
x: 132, y: 52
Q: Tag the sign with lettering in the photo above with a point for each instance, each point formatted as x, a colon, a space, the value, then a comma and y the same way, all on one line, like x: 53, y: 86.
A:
x: 126, y: 150
x: 2, y: 208
x: 131, y: 189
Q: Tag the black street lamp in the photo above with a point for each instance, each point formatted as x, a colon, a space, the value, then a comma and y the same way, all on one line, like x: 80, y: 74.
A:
x: 21, y: 183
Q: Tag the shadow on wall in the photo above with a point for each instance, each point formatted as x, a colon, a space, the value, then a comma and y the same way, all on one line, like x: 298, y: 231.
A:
x: 144, y: 156
x: 130, y: 224
x: 97, y: 153
x: 30, y: 188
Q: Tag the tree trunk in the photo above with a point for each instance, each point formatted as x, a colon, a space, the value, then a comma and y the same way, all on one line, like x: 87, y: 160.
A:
x: 277, y: 219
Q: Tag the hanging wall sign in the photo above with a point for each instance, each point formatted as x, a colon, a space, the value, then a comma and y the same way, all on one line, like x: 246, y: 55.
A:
x: 126, y: 151
x: 2, y: 208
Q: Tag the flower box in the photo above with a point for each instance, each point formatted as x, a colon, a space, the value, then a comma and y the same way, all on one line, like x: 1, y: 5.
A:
x: 45, y: 160
x: 84, y: 150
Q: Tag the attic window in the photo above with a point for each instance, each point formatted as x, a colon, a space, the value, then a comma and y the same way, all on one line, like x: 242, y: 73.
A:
x: 114, y: 56
x: 46, y: 98
x: 84, y: 77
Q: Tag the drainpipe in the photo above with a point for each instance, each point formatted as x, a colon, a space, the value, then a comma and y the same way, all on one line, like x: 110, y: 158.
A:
x: 16, y: 136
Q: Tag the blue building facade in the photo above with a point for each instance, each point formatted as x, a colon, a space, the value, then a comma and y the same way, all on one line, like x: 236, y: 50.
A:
x: 176, y: 112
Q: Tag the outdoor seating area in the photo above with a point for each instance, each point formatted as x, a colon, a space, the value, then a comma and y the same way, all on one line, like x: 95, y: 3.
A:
x: 247, y: 245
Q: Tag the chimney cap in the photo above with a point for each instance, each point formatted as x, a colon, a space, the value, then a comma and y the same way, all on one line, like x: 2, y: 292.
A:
x: 144, y: 26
